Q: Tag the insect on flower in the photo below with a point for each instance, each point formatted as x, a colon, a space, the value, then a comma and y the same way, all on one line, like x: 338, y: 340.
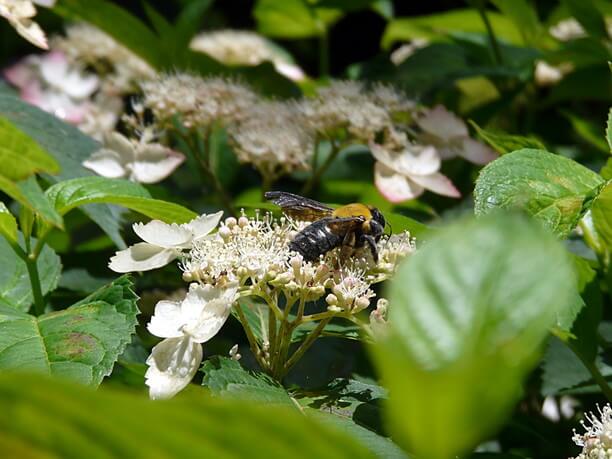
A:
x: 351, y: 226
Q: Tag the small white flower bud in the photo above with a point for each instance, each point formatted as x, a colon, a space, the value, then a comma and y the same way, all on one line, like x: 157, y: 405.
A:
x: 243, y: 221
x: 334, y: 309
x: 230, y: 222
x: 225, y: 232
x: 361, y: 303
x: 233, y: 353
x: 188, y: 277
x: 331, y: 299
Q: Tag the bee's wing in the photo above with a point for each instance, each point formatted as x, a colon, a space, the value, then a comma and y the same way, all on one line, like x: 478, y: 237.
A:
x: 299, y: 207
x: 344, y: 225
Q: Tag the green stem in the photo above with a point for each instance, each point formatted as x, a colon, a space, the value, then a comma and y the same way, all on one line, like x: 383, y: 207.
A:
x: 320, y: 316
x: 251, y: 337
x: 497, y: 56
x: 316, y: 176
x: 309, y: 341
x: 595, y: 373
x: 324, y: 54
x: 39, y: 302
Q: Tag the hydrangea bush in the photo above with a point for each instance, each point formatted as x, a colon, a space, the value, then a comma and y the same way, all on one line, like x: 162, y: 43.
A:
x: 143, y: 262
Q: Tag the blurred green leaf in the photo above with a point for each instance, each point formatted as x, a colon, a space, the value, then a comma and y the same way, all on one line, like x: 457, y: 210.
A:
x: 15, y: 287
x: 606, y: 170
x: 79, y: 343
x: 588, y: 131
x: 588, y: 83
x: 116, y: 22
x: 292, y: 18
x: 601, y: 212
x: 68, y: 145
x: 506, y: 143
x: 477, y: 300
x: 8, y: 224
x: 524, y: 16
x: 555, y: 190
x: 589, y: 16
x: 69, y: 194
x: 108, y: 423
x: 79, y: 280
x: 20, y: 155
x: 609, y: 130
x: 437, y: 26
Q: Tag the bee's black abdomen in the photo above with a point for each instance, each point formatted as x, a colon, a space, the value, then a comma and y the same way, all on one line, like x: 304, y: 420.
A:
x: 315, y: 240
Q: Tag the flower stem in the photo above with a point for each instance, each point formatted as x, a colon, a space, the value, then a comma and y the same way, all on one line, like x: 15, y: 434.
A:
x: 306, y: 344
x: 324, y: 54
x: 497, y: 56
x: 595, y: 373
x: 316, y: 176
x: 251, y: 337
x: 30, y: 258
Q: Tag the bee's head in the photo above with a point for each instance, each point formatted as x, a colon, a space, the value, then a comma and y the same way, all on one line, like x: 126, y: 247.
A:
x: 377, y: 223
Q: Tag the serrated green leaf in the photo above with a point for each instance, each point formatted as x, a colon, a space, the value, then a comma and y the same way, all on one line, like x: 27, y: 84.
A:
x: 478, y: 299
x: 553, y: 189
x: 80, y: 343
x: 38, y: 202
x: 68, y: 145
x: 21, y: 156
x: 69, y: 194
x: 506, y: 143
x: 15, y: 287
x: 8, y: 224
x: 107, y: 423
x: 601, y: 212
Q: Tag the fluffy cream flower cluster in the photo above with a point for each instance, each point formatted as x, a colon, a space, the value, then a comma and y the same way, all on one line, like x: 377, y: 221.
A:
x: 596, y: 441
x: 242, y: 47
x: 248, y: 257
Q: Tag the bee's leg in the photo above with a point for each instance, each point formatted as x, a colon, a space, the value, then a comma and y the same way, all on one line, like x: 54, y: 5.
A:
x: 371, y: 242
x: 348, y: 244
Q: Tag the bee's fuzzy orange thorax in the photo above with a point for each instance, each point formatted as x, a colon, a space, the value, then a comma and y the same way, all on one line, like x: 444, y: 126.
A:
x: 353, y: 210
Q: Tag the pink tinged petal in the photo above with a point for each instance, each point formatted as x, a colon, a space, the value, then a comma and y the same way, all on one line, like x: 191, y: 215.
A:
x: 438, y: 183
x: 393, y: 186
x: 166, y: 322
x: 162, y: 234
x: 22, y: 73
x: 418, y: 160
x: 291, y: 71
x: 53, y: 67
x: 120, y: 144
x: 154, y: 162
x: 205, y: 309
x: 141, y: 257
x: 443, y: 124
x: 106, y: 163
x: 477, y: 152
x: 204, y: 224
x: 172, y: 365
x: 382, y: 154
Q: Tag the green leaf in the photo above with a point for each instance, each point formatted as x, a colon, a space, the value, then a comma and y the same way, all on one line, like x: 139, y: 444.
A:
x: 292, y: 19
x: 589, y: 16
x: 8, y: 224
x: 79, y: 280
x: 109, y: 423
x: 38, y: 202
x: 116, y: 22
x: 601, y: 212
x: 21, y: 156
x: 438, y: 26
x: 606, y: 170
x: 69, y: 146
x: 15, y: 287
x: 477, y: 300
x: 609, y: 130
x: 524, y: 17
x: 588, y: 131
x: 81, y: 343
x: 555, y: 190
x: 226, y: 377
x: 506, y: 143
x: 69, y: 194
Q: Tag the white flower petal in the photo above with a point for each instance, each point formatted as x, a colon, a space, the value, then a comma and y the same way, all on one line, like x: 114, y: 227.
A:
x: 443, y: 124
x: 291, y: 71
x: 45, y: 3
x: 438, y: 183
x: 120, y: 144
x: 204, y: 224
x: 172, y: 365
x: 166, y: 322
x: 163, y: 234
x: 393, y: 186
x: 419, y: 160
x: 141, y: 257
x: 476, y: 152
x: 154, y: 162
x: 205, y: 309
x: 106, y: 163
x: 31, y: 31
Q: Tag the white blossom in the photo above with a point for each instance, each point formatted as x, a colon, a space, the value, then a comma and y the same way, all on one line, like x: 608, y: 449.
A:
x: 406, y: 174
x: 140, y: 161
x: 596, y: 441
x: 567, y: 29
x: 185, y: 326
x: 546, y: 74
x: 241, y: 47
x: 163, y: 243
x: 449, y: 134
x: 408, y: 49
x: 19, y: 14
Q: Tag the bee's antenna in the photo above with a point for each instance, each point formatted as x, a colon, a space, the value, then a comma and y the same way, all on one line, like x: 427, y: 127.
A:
x: 390, y: 228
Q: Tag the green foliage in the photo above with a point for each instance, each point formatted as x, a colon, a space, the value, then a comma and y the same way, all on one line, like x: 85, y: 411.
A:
x: 555, y: 190
x: 79, y: 343
x: 602, y: 215
x: 476, y: 301
x: 609, y: 130
x: 524, y: 16
x: 8, y: 224
x: 78, y: 425
x: 506, y: 143
x: 292, y: 18
x: 15, y: 287
x: 69, y: 194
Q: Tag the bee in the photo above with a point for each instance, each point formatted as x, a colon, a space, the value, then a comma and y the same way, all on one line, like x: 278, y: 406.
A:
x: 353, y: 225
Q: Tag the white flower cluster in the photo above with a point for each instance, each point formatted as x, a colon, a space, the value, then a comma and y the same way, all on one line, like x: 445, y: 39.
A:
x: 200, y: 102
x: 245, y: 257
x: 19, y: 14
x: 242, y: 47
x: 596, y: 442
